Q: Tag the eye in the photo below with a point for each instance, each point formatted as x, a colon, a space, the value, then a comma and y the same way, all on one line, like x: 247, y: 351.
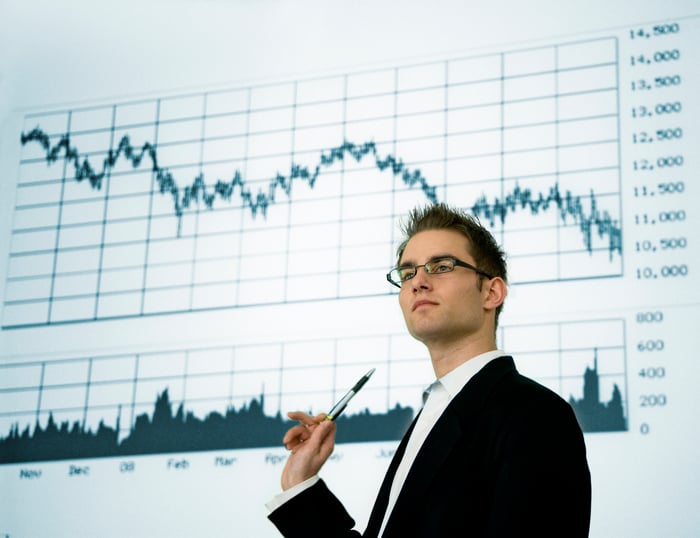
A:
x: 405, y: 273
x: 441, y: 266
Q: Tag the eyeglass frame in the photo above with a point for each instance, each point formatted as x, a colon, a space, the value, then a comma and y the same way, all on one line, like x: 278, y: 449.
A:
x: 455, y: 261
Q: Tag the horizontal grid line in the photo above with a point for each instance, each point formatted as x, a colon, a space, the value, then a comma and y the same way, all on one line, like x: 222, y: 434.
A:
x: 316, y: 151
x: 488, y: 206
x: 281, y: 348
x: 358, y: 169
x: 243, y: 281
x: 163, y: 216
x: 248, y: 88
x: 79, y: 248
x: 350, y: 122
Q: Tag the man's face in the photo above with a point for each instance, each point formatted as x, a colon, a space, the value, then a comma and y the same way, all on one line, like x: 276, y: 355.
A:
x: 441, y: 308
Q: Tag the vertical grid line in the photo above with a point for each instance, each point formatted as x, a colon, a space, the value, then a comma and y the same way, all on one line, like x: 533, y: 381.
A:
x: 566, y: 339
x: 231, y: 376
x: 394, y: 121
x: 335, y: 387
x: 132, y: 418
x: 41, y: 391
x: 149, y: 218
x: 244, y: 173
x: 446, y: 125
x: 346, y: 83
x: 195, y: 231
x: 86, y: 406
x: 560, y: 357
x: 502, y: 157
x: 558, y: 220
x: 389, y: 351
x: 56, y: 250
x: 619, y: 146
x: 101, y: 295
x: 341, y: 190
x: 626, y: 396
x: 280, y: 377
x: 107, y: 182
x: 185, y: 373
x: 292, y: 158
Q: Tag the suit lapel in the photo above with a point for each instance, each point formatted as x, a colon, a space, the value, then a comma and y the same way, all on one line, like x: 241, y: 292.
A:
x: 377, y: 516
x: 450, y: 427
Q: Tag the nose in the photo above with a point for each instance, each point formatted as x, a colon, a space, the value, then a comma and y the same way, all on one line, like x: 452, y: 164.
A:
x: 421, y: 280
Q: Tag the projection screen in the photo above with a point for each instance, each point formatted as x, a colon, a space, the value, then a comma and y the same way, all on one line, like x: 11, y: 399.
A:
x: 200, y: 202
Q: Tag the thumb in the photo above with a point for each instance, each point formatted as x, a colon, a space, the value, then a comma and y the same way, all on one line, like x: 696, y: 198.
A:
x: 326, y: 436
x: 327, y: 428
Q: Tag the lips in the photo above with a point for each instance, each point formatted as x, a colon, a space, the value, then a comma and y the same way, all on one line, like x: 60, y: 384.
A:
x: 420, y: 303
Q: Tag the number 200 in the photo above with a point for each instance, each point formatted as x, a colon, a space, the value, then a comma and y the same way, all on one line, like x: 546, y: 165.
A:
x: 652, y: 400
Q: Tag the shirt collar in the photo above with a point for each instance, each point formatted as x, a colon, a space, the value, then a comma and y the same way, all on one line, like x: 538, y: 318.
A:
x: 454, y: 381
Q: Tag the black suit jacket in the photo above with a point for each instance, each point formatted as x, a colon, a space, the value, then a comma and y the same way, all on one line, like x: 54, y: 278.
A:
x: 506, y: 458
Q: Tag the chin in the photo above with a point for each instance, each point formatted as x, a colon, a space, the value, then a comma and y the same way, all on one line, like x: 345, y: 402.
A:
x: 421, y: 333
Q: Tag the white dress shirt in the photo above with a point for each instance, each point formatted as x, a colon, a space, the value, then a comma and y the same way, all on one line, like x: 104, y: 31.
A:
x: 440, y: 395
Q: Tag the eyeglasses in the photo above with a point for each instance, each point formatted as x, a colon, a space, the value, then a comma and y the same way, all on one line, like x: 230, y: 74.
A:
x: 403, y: 273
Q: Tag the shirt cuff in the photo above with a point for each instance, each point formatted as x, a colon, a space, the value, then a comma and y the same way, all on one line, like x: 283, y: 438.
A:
x: 286, y: 495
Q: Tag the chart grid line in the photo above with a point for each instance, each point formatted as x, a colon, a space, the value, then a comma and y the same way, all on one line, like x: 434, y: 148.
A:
x: 93, y: 391
x: 517, y: 155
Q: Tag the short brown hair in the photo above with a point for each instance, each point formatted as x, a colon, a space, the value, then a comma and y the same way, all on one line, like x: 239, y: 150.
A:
x: 488, y: 255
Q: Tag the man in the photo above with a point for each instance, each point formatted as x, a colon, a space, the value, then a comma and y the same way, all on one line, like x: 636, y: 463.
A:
x: 492, y: 453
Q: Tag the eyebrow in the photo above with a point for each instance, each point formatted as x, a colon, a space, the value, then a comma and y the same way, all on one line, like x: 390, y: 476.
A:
x: 431, y: 259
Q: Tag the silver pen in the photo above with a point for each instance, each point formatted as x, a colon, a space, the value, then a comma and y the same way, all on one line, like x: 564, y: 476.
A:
x: 340, y: 406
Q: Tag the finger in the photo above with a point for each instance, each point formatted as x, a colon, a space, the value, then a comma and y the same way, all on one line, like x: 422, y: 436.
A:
x: 323, y: 434
x: 296, y: 442
x: 322, y: 441
x: 304, y: 418
x: 309, y: 436
x: 327, y: 428
x: 296, y: 434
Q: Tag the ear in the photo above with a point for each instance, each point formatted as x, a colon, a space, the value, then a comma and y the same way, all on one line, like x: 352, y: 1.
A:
x: 495, y: 291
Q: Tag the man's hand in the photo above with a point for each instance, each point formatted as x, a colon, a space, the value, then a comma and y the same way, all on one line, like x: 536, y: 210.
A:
x: 311, y: 443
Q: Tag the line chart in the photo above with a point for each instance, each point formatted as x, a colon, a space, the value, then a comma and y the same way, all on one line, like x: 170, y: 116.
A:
x: 292, y: 191
x: 184, y: 197
x: 201, y: 398
x: 567, y: 204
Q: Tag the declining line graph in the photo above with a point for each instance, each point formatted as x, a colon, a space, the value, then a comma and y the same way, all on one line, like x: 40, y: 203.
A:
x: 204, y: 398
x: 166, y: 205
x: 197, y: 191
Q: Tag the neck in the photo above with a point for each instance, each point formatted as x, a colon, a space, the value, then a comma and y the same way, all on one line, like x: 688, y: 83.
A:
x: 447, y: 357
